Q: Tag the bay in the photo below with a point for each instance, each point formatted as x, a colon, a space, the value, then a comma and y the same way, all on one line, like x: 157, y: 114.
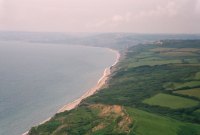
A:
x: 37, y: 79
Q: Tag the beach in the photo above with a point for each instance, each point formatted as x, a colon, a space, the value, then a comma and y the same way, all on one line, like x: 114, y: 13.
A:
x: 101, y: 82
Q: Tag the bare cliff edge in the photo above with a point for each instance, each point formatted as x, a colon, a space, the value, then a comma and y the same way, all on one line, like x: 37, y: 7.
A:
x: 101, y: 82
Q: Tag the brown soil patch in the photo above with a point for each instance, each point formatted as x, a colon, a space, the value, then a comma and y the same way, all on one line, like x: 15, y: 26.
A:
x: 99, y: 127
x: 113, y: 113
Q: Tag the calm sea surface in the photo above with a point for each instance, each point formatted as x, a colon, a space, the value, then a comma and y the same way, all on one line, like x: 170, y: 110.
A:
x: 36, y: 80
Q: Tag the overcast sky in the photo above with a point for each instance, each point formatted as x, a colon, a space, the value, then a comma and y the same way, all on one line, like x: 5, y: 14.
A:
x: 138, y: 16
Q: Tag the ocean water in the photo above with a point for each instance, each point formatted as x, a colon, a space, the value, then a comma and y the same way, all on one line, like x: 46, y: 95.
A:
x: 36, y: 80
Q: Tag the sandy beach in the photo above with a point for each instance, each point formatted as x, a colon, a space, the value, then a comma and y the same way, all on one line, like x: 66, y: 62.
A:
x: 101, y: 82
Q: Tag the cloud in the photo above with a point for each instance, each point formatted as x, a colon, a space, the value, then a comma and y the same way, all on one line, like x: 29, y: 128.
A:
x: 117, y: 18
x: 113, y: 21
x: 122, y: 18
x: 169, y: 9
x: 101, y: 15
x: 100, y: 23
x: 197, y: 8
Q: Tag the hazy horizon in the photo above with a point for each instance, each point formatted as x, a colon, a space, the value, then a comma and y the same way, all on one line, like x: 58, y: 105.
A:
x: 132, y: 16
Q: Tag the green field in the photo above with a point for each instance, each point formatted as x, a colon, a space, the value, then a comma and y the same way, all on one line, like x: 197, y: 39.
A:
x: 159, y: 50
x: 178, y: 54
x: 152, y: 62
x: 170, y: 101
x: 151, y: 124
x: 197, y: 76
x: 188, y: 50
x: 190, y: 92
x: 150, y: 59
x: 197, y: 111
x: 187, y: 84
x: 190, y: 61
x: 175, y: 86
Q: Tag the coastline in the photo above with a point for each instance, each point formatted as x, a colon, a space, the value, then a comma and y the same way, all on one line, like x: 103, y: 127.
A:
x: 101, y: 82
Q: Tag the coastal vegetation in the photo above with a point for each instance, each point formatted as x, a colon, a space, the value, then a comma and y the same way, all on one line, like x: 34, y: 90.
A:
x: 91, y: 120
x: 153, y: 90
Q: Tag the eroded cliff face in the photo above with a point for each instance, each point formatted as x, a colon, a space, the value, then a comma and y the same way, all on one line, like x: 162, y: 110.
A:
x: 111, y: 113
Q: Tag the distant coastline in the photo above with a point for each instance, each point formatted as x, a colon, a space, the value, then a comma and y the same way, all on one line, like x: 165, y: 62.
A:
x: 101, y: 82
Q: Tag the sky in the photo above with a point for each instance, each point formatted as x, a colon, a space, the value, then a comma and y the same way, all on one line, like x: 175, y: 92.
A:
x: 137, y: 16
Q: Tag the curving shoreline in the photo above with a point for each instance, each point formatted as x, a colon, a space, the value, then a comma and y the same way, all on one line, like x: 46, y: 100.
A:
x: 101, y: 82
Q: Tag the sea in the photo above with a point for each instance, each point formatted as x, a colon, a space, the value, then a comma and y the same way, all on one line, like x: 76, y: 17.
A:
x: 37, y: 79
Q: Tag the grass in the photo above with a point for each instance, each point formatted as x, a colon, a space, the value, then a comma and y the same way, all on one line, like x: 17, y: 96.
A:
x: 143, y: 55
x: 162, y: 49
x: 175, y: 50
x: 178, y: 54
x: 152, y: 62
x: 188, y: 50
x: 191, y: 61
x: 152, y: 124
x: 186, y: 84
x: 68, y: 121
x: 150, y: 58
x: 190, y: 92
x: 96, y: 119
x: 173, y: 102
x: 197, y: 111
x: 197, y: 76
x: 176, y: 86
